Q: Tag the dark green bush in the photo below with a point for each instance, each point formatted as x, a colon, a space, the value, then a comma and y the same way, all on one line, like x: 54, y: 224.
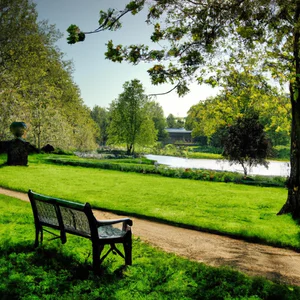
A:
x: 281, y: 152
x: 62, y: 152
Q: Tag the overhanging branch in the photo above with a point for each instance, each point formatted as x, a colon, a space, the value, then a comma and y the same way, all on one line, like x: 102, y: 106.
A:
x: 165, y: 93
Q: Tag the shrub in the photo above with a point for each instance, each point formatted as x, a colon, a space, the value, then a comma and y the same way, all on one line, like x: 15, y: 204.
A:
x: 246, y: 143
x: 281, y: 152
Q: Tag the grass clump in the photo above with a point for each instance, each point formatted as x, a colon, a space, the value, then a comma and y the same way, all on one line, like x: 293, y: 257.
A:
x: 55, y: 271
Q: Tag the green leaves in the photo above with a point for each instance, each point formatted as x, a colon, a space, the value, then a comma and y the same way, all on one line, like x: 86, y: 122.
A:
x: 36, y: 84
x: 130, y: 122
x: 108, y: 20
x: 245, y: 32
x: 135, y: 6
x: 246, y: 143
x: 157, y: 74
x: 114, y: 53
x: 75, y: 35
x: 157, y: 35
x: 211, y: 81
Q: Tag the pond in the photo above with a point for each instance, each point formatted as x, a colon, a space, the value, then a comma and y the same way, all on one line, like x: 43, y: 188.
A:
x: 275, y: 168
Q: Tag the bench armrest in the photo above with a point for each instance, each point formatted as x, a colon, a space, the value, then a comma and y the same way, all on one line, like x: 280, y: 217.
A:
x: 111, y: 222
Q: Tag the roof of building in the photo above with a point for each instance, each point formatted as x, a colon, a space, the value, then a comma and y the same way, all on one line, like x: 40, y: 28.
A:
x: 177, y: 130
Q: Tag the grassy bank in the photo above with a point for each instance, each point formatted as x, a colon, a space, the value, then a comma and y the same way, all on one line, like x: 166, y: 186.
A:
x: 142, y: 165
x: 56, y: 271
x: 237, y: 210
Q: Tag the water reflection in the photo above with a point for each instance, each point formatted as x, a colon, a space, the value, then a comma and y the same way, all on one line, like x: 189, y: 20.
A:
x: 275, y: 168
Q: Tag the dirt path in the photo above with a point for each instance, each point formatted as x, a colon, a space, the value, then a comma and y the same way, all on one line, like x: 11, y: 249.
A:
x: 253, y: 259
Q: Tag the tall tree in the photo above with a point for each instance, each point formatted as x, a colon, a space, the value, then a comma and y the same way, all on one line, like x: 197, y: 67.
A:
x: 101, y: 117
x: 242, y: 91
x: 171, y: 121
x: 130, y: 123
x: 155, y: 111
x: 198, y: 31
x: 36, y: 84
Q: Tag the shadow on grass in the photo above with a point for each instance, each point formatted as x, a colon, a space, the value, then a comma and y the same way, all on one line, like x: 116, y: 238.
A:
x: 38, y: 272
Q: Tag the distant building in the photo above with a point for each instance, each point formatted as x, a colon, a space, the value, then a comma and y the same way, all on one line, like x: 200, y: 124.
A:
x: 179, y: 135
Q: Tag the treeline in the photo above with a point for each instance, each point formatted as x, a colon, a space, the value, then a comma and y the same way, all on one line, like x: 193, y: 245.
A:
x: 36, y: 84
x: 243, y: 95
x: 134, y: 119
x: 131, y: 119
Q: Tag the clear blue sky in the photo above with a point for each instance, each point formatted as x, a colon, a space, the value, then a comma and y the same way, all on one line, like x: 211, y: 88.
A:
x: 101, y: 80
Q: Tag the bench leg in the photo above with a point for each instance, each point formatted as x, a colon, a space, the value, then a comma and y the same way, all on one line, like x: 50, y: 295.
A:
x: 97, y: 249
x: 128, y: 249
x: 37, y: 232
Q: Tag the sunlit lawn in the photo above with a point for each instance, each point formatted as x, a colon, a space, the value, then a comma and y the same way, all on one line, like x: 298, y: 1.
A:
x: 55, y: 271
x: 228, y: 208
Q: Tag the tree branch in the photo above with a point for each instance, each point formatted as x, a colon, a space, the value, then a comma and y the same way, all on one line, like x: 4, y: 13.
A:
x: 160, y: 94
x: 103, y: 27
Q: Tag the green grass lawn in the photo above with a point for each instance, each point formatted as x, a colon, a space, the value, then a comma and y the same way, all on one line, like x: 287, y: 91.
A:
x: 55, y: 271
x: 203, y: 155
x: 239, y: 210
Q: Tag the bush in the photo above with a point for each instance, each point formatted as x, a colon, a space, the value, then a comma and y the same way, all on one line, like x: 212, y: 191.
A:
x: 62, y: 152
x: 281, y: 152
x: 245, y: 143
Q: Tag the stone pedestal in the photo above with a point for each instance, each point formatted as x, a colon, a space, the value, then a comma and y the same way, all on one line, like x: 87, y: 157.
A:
x: 17, y: 152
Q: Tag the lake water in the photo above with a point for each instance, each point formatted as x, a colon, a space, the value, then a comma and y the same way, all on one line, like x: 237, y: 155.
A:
x: 275, y: 168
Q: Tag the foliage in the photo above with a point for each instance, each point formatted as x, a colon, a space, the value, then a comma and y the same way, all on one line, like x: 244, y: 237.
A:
x: 173, y: 122
x: 155, y: 111
x: 101, y: 117
x: 130, y: 123
x: 63, y: 272
x: 243, y: 91
x: 246, y: 143
x: 281, y: 152
x: 36, y: 83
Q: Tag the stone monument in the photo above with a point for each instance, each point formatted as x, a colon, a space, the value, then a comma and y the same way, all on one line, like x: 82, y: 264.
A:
x: 18, y: 148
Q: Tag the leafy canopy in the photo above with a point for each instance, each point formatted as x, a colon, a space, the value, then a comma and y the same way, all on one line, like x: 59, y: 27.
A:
x: 129, y: 121
x: 243, y: 90
x: 196, y: 32
x: 36, y: 84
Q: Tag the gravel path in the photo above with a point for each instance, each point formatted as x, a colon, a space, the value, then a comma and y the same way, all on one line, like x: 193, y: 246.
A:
x: 253, y: 259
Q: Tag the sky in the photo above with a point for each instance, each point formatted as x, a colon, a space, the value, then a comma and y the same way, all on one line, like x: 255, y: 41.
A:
x: 100, y: 80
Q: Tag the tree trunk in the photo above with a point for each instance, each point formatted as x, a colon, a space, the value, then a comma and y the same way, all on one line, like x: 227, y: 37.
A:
x: 129, y: 149
x: 292, y: 204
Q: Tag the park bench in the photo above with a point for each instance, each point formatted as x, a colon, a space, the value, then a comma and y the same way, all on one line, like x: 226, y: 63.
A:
x: 78, y: 219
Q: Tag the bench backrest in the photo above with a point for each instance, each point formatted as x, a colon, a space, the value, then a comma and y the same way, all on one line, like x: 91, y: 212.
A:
x: 61, y: 214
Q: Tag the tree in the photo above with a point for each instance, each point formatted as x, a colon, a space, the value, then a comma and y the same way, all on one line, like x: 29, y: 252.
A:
x: 100, y: 116
x: 129, y: 121
x: 245, y: 143
x: 233, y: 30
x: 243, y: 91
x: 171, y: 121
x: 156, y: 113
x: 36, y: 84
x: 174, y: 122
